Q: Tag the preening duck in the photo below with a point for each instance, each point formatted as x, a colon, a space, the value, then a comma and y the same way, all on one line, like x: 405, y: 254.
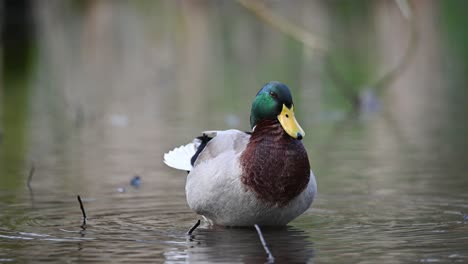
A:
x: 241, y: 178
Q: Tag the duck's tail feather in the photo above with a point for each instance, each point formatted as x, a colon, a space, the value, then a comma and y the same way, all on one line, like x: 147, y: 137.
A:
x: 179, y: 158
x: 183, y: 157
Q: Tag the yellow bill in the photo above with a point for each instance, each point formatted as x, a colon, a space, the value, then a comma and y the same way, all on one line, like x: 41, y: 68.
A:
x: 289, y: 123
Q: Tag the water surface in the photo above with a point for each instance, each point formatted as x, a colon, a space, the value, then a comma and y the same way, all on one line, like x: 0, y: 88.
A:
x: 107, y: 88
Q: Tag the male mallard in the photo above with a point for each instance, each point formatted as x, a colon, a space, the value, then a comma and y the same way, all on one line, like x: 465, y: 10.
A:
x: 245, y: 178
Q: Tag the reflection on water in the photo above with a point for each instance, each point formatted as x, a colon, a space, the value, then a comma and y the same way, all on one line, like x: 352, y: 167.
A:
x: 107, y: 87
x: 288, y: 245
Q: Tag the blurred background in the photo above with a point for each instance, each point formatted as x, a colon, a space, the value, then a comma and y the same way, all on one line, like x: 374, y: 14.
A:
x: 94, y: 92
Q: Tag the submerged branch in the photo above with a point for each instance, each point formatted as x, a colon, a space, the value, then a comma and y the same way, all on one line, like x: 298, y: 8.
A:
x: 28, y: 183
x: 31, y: 174
x: 83, y: 225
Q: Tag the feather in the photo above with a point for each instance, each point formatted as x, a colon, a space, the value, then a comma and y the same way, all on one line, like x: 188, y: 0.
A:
x: 179, y: 158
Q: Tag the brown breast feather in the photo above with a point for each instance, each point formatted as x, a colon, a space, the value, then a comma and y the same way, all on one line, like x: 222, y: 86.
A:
x: 275, y: 166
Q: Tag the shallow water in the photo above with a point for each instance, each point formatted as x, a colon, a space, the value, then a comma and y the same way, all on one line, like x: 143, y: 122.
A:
x: 109, y: 88
x: 366, y: 212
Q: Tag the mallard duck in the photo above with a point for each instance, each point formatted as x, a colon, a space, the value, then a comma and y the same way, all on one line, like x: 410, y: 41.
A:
x: 262, y: 177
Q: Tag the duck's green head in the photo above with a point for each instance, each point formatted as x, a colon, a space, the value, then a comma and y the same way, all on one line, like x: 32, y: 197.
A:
x: 274, y: 101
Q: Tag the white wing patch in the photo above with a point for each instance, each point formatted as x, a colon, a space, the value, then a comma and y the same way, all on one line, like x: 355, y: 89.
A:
x: 179, y: 158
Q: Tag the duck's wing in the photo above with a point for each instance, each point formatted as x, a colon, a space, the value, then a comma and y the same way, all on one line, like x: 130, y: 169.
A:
x: 185, y: 157
x: 231, y: 142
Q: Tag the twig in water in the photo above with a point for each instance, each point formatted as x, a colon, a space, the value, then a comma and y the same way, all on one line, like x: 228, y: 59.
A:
x: 31, y: 174
x: 83, y: 225
x: 28, y: 183
x: 270, y: 258
x: 193, y: 227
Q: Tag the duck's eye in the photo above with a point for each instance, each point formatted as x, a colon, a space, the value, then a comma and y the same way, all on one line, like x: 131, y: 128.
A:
x: 273, y: 94
x: 287, y: 116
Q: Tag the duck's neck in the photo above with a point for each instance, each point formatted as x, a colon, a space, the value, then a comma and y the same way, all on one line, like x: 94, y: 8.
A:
x: 275, y: 166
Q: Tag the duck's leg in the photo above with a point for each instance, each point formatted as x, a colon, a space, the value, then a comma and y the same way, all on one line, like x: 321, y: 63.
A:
x: 270, y: 258
x: 189, y: 233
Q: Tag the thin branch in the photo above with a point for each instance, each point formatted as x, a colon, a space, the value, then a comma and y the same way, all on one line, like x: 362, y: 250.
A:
x: 283, y: 25
x: 31, y: 174
x: 383, y: 81
x: 270, y: 258
x: 194, y: 227
x: 28, y: 183
x: 387, y: 78
x: 313, y: 42
x: 83, y: 225
x: 405, y: 8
